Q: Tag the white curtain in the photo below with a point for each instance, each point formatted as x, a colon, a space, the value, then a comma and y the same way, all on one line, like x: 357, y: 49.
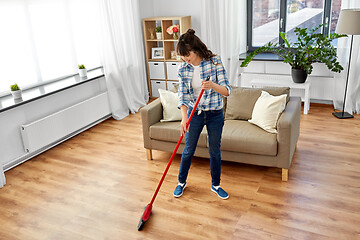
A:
x: 2, y: 177
x: 123, y: 56
x: 223, y: 28
x: 352, y: 102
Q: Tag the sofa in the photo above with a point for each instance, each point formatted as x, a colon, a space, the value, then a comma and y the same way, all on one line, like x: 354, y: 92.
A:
x: 242, y: 141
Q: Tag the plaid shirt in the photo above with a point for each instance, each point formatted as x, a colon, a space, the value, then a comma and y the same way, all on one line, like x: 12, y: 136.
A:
x: 212, y: 100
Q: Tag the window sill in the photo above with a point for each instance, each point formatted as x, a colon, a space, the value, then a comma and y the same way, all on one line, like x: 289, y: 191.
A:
x: 8, y: 102
x: 262, y: 57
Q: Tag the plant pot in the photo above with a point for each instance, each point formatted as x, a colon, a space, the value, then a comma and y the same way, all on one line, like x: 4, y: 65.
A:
x: 298, y: 75
x: 158, y: 35
x: 16, y: 94
x: 83, y: 72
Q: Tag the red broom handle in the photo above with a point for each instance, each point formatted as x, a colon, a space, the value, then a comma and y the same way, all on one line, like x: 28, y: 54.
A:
x: 177, y: 145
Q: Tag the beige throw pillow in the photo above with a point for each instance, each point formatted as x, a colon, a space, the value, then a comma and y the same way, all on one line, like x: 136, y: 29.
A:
x: 169, y: 101
x: 267, y: 111
x: 241, y: 102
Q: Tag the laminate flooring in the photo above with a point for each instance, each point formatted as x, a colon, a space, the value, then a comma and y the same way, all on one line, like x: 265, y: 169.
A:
x: 96, y: 185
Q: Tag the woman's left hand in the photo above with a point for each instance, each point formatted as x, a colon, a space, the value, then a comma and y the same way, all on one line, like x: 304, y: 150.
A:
x: 206, y: 85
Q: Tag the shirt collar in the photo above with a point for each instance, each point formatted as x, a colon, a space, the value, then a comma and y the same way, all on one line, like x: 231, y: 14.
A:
x: 190, y: 65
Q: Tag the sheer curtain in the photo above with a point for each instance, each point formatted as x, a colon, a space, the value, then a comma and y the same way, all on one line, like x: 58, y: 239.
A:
x: 352, y: 103
x: 123, y: 56
x: 44, y: 40
x: 223, y: 28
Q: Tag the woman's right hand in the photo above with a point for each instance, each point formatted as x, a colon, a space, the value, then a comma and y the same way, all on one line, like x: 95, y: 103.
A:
x: 183, y: 128
x: 184, y: 120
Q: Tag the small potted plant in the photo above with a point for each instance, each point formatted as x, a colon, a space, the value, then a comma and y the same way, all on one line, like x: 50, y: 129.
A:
x: 15, y: 91
x: 174, y: 30
x: 158, y: 31
x: 82, y: 70
x: 310, y: 47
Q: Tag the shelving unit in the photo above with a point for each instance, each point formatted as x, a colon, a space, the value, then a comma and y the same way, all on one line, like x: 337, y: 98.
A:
x: 162, y: 72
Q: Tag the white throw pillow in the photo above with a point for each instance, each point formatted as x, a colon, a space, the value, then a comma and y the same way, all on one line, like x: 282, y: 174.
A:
x: 169, y: 101
x: 267, y: 111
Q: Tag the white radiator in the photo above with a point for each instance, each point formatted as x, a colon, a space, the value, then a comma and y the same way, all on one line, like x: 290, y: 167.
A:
x: 56, y: 126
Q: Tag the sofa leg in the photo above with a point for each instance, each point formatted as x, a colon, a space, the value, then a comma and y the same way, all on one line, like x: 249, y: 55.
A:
x: 149, y: 154
x: 284, y: 174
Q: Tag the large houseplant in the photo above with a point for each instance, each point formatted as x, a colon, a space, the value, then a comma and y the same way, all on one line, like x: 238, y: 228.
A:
x: 310, y: 47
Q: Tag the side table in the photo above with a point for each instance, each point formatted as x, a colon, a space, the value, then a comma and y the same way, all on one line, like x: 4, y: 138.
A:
x: 269, y: 81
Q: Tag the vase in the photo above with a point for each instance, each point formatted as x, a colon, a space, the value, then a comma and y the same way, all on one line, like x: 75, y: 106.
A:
x: 176, y: 36
x: 298, y: 75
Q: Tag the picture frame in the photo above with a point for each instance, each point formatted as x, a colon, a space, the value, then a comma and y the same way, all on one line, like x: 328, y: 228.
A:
x: 157, y: 53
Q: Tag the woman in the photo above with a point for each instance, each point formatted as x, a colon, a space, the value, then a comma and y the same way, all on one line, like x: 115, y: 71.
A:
x: 199, y: 64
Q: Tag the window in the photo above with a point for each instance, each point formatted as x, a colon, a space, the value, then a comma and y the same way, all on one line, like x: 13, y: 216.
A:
x: 44, y: 40
x: 266, y: 19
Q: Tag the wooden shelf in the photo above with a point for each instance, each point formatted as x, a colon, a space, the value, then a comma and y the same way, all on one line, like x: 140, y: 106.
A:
x: 161, y: 40
x: 168, y: 43
x: 156, y: 59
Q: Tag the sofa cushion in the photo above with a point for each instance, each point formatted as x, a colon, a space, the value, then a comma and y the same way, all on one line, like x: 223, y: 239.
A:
x: 240, y: 103
x: 267, y: 111
x: 169, y: 101
x: 242, y: 136
x: 170, y: 132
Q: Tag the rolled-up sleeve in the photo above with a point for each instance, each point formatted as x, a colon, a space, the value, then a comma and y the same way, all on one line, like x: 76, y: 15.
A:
x: 221, y: 75
x: 183, y: 93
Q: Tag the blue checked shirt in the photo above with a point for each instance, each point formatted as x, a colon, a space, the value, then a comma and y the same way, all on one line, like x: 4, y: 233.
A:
x: 212, y: 100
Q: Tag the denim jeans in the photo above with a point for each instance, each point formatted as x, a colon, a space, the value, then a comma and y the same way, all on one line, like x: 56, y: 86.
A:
x: 214, y: 121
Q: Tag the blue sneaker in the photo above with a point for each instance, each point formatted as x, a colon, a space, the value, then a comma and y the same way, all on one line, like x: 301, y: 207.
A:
x: 179, y: 190
x: 220, y: 192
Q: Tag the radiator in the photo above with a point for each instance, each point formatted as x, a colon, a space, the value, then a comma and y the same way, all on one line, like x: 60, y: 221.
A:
x: 52, y: 128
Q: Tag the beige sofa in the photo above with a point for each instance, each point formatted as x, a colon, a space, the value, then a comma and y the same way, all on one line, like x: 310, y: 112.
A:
x: 241, y: 141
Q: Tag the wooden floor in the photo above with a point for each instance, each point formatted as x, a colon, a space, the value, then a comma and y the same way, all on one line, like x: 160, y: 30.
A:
x: 96, y: 185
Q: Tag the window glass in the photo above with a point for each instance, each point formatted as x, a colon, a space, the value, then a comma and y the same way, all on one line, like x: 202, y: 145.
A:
x: 16, y: 52
x: 45, y: 40
x: 303, y: 14
x: 265, y: 22
x: 335, y: 12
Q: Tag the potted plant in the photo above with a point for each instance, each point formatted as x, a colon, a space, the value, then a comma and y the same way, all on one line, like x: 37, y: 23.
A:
x: 82, y: 70
x: 310, y: 47
x: 158, y: 31
x: 15, y: 91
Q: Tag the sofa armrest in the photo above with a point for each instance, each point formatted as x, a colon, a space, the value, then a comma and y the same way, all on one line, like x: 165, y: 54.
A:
x: 288, y: 128
x: 150, y: 114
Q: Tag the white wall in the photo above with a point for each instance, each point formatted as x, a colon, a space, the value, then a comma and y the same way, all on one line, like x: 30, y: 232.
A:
x: 11, y: 145
x: 146, y: 8
x: 164, y: 8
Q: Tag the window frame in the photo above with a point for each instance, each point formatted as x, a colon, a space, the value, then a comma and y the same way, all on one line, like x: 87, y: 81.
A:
x: 282, y: 21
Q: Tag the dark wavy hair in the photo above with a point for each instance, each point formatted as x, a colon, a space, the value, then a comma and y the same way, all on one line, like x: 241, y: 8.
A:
x: 190, y: 42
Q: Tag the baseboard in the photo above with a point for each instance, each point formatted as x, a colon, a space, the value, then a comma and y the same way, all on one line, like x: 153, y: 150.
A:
x: 328, y: 102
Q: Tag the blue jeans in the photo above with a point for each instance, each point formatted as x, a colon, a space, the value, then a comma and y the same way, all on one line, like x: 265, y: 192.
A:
x: 214, y: 121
